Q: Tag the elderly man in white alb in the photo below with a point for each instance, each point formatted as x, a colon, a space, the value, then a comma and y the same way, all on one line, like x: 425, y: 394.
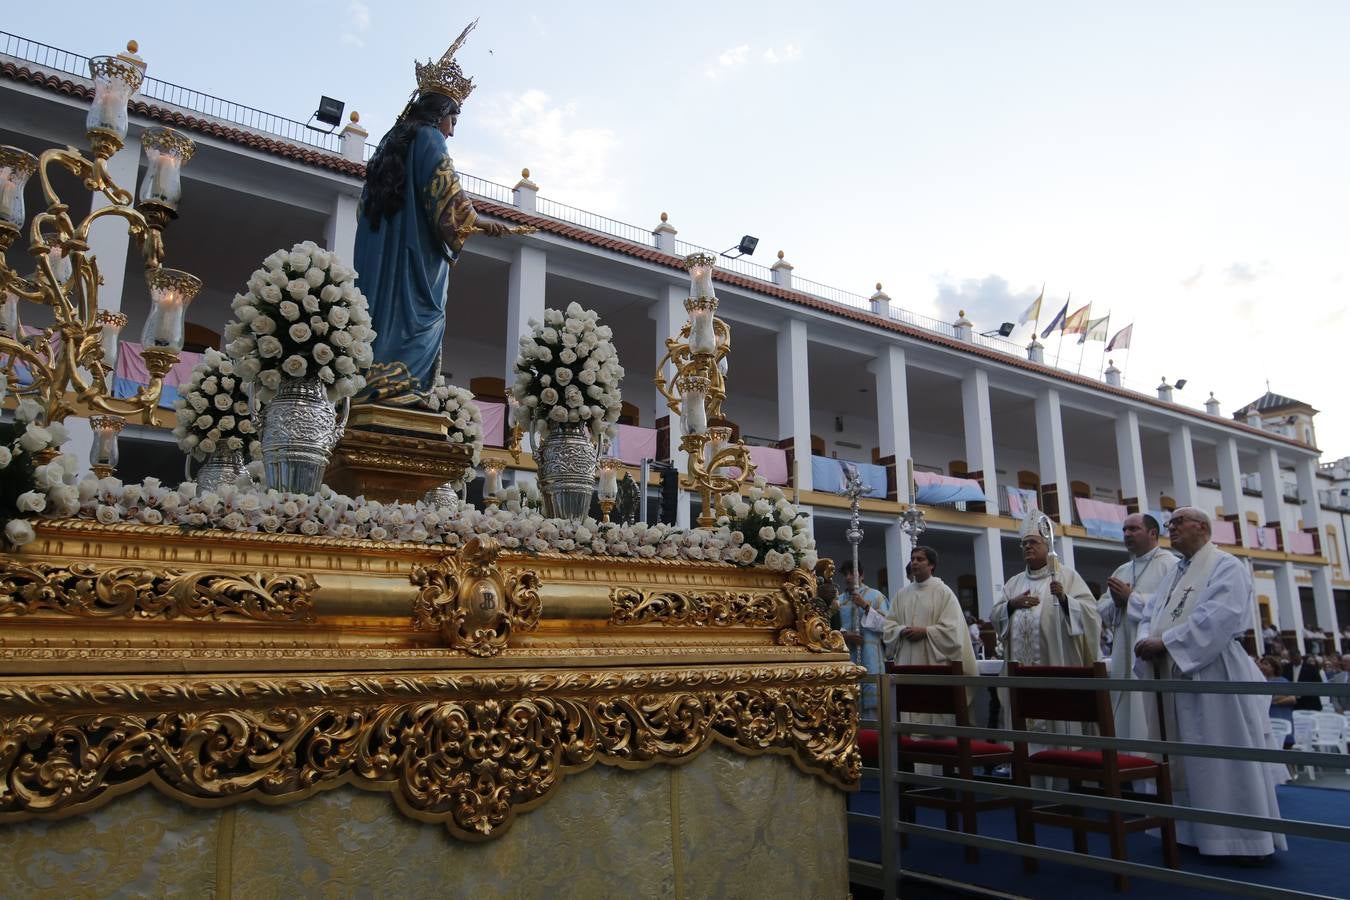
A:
x: 1190, y: 630
x: 1122, y: 607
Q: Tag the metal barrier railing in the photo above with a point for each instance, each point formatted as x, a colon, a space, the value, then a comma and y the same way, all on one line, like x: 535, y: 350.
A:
x: 886, y: 874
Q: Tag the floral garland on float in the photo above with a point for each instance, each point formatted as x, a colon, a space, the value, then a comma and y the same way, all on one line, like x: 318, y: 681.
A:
x: 567, y: 387
x: 767, y: 529
x: 30, y: 486
x: 463, y: 428
x: 302, y: 341
x: 215, y: 425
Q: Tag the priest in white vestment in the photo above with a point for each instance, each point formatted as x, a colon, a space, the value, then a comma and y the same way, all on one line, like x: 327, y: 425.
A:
x: 1046, y: 616
x: 1190, y: 631
x: 1122, y: 607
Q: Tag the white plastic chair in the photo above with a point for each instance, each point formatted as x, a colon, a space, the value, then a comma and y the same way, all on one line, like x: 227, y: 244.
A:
x: 1305, y: 730
x: 1281, y: 729
x: 1329, y: 732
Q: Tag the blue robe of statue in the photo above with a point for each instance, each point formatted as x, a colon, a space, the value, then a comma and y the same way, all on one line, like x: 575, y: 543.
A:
x: 404, y: 266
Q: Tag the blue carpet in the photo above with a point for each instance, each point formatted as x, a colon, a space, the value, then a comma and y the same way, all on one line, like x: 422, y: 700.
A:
x: 1309, y: 865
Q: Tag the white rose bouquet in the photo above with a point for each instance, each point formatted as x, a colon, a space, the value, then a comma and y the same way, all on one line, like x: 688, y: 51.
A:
x: 766, y: 529
x: 464, y: 420
x: 568, y: 371
x: 212, y: 410
x: 302, y: 316
x: 29, y: 488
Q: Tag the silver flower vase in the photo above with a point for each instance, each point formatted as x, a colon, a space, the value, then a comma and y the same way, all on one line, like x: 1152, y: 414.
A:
x: 444, y: 495
x: 300, y: 427
x: 567, y: 459
x: 221, y: 467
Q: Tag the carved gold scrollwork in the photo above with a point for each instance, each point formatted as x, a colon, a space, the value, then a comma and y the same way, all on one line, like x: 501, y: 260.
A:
x: 469, y: 762
x: 810, y: 629
x: 474, y: 605
x: 718, y: 609
x: 105, y: 592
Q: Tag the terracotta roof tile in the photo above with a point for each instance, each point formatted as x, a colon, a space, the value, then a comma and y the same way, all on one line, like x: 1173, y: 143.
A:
x: 325, y: 160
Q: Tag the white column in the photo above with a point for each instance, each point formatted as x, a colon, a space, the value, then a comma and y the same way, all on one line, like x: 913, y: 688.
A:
x: 794, y: 397
x: 1050, y: 448
x: 1130, y: 456
x: 1066, y: 555
x: 988, y: 568
x: 979, y: 430
x: 1230, y: 478
x: 339, y: 234
x: 1183, y: 465
x: 1286, y: 595
x: 670, y: 315
x: 1272, y: 487
x: 109, y: 240
x: 1306, y: 471
x: 524, y: 300
x: 892, y: 383
x: 898, y: 549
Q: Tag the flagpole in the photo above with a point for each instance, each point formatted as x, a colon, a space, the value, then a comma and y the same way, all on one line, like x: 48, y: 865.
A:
x: 1085, y: 339
x: 1036, y: 326
x: 1060, y: 346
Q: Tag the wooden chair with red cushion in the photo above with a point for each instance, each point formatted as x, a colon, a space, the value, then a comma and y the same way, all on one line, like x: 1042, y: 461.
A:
x: 1109, y: 771
x: 958, y: 757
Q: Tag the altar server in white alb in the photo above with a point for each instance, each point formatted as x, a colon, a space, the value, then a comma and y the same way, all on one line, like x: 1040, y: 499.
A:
x: 1047, y: 615
x: 1190, y: 631
x: 925, y: 626
x: 1128, y: 591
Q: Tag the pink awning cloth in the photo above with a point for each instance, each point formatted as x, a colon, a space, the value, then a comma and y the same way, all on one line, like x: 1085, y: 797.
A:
x: 633, y: 444
x: 1225, y: 533
x: 131, y: 365
x: 770, y: 464
x: 494, y: 423
x: 1301, y: 542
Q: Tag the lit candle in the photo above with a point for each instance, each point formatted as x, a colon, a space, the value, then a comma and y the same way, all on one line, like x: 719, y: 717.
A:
x: 492, y: 478
x: 608, y: 487
x: 717, y: 439
x: 166, y: 151
x: 103, y: 452
x: 700, y: 267
x: 112, y: 324
x: 701, y: 337
x: 170, y: 293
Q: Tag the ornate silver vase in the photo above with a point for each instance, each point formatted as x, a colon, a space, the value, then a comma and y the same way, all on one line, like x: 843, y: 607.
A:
x: 300, y: 427
x: 445, y: 494
x: 567, y: 459
x: 221, y: 467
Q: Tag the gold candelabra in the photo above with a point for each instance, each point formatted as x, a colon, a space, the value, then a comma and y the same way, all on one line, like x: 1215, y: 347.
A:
x: 692, y: 378
x: 72, y: 360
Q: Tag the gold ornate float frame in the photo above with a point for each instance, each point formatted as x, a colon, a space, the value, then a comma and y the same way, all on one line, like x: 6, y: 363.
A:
x: 467, y: 682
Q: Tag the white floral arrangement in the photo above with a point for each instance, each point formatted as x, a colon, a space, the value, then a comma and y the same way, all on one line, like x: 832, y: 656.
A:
x: 212, y: 410
x: 464, y: 419
x: 29, y: 488
x: 302, y: 315
x: 767, y: 529
x: 568, y: 372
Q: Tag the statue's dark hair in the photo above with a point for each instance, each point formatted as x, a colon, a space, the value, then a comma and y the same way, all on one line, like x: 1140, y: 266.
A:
x: 388, y: 167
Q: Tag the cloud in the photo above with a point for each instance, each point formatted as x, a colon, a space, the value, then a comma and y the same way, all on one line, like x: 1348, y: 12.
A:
x: 1246, y: 273
x: 571, y: 161
x: 988, y: 301
x: 727, y: 59
x: 358, y: 22
x: 1193, y: 279
x: 790, y: 53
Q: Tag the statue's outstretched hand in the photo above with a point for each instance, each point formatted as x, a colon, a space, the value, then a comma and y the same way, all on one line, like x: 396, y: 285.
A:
x: 491, y: 229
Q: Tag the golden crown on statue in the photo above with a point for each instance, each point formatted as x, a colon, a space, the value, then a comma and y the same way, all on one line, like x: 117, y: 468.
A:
x: 444, y: 76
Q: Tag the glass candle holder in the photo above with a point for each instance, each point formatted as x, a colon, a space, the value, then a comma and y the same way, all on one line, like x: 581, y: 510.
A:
x: 693, y: 397
x: 111, y: 324
x: 16, y: 167
x: 9, y: 314
x: 103, y: 452
x: 700, y: 266
x: 702, y: 339
x: 492, y: 478
x: 60, y: 264
x: 171, y: 291
x: 718, y: 437
x: 116, y: 78
x: 166, y: 152
x: 607, y: 486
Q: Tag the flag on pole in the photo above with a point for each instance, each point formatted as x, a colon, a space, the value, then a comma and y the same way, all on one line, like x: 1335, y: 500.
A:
x: 1033, y: 313
x: 1096, y: 329
x: 1058, y: 321
x: 1077, y: 322
x: 1122, y: 339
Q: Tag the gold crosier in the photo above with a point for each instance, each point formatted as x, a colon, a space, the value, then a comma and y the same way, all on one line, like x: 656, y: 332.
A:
x: 697, y: 363
x: 67, y: 358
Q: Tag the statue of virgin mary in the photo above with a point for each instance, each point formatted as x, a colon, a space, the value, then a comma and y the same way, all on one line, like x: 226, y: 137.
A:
x: 413, y: 221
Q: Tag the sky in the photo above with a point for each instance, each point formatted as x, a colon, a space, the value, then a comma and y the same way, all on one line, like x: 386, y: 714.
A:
x: 1180, y: 166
